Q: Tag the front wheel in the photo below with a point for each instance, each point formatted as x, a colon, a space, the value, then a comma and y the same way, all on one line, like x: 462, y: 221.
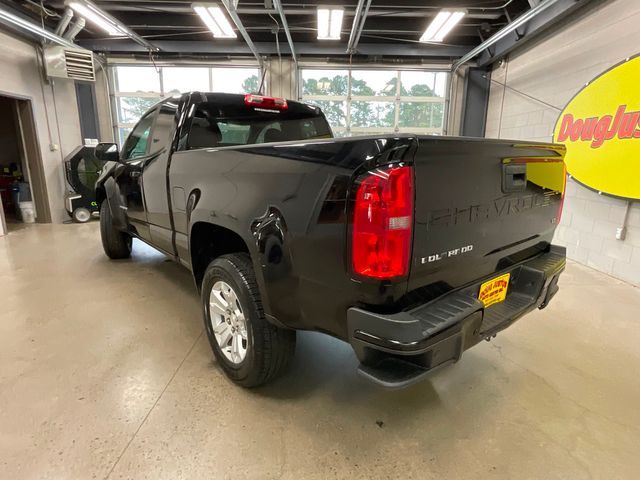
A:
x: 116, y: 244
x: 250, y: 350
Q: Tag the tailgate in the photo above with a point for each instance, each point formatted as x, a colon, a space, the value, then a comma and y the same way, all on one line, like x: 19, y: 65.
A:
x: 480, y: 206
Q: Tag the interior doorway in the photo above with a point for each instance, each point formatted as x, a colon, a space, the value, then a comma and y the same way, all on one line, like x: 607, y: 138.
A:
x: 21, y: 170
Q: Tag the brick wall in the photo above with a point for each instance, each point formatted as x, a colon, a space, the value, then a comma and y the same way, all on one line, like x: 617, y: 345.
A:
x: 553, y: 69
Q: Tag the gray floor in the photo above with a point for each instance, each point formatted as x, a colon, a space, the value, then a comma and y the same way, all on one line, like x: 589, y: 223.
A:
x: 105, y: 373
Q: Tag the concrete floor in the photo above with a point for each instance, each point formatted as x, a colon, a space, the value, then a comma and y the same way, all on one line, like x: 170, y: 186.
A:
x: 105, y: 373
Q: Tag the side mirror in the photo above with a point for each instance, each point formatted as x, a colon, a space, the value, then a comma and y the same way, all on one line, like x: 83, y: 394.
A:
x: 107, y: 152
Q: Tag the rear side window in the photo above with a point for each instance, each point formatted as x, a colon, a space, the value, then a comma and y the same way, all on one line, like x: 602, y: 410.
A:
x: 216, y: 124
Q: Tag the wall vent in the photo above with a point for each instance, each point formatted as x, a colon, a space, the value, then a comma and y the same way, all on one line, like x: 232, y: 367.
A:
x: 63, y: 62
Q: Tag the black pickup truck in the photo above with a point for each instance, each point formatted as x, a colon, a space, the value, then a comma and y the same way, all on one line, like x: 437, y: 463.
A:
x: 411, y: 248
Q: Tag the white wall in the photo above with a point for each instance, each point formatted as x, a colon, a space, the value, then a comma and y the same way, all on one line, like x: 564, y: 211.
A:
x: 20, y: 75
x: 554, y: 69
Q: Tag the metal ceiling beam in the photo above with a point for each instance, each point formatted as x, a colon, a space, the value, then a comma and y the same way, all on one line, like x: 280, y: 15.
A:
x: 356, y: 23
x: 376, y: 12
x: 233, y: 13
x: 374, y: 30
x: 549, y: 14
x: 290, y: 10
x: 510, y: 28
x: 269, y: 48
x: 26, y: 26
x: 285, y: 27
x: 354, y: 44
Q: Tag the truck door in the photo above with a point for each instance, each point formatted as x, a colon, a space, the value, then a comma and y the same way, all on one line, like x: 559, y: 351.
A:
x: 134, y: 156
x: 154, y: 177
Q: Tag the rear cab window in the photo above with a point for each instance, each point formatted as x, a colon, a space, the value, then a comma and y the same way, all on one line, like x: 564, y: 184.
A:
x: 224, y: 120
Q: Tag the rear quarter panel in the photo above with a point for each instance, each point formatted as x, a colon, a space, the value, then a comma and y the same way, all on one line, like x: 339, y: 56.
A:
x: 273, y: 203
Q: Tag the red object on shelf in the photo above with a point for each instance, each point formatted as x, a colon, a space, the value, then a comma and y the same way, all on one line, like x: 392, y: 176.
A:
x: 6, y: 182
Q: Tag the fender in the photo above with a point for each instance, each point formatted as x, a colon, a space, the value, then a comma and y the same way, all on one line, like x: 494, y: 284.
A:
x: 114, y: 200
x: 269, y: 234
x: 265, y: 238
x: 274, y: 259
x: 107, y: 183
x: 106, y: 172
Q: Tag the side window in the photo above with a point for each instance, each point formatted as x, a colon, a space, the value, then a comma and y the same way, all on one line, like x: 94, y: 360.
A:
x: 164, y: 128
x: 138, y: 139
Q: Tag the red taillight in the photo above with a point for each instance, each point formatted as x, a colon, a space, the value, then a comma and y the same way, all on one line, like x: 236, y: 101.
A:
x: 383, y: 223
x: 265, y: 102
x: 564, y: 189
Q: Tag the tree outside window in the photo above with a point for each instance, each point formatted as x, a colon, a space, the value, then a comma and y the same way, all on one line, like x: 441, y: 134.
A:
x: 374, y: 99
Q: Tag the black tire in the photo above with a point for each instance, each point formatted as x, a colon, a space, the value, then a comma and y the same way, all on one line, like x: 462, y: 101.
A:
x: 81, y: 215
x: 116, y: 244
x: 269, y: 348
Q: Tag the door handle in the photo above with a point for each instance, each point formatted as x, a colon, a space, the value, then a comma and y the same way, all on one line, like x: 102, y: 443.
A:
x: 135, y: 174
x: 514, y: 177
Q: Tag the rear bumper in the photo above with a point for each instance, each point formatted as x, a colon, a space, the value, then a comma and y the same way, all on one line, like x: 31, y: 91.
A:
x: 400, y: 349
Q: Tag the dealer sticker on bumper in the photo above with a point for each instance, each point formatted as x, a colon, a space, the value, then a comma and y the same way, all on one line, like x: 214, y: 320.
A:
x: 495, y: 290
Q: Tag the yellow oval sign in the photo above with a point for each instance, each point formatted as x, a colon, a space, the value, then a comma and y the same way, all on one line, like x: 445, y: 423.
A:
x: 601, y: 129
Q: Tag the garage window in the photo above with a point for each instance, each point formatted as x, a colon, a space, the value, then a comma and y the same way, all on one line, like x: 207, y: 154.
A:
x: 137, y: 88
x: 376, y: 101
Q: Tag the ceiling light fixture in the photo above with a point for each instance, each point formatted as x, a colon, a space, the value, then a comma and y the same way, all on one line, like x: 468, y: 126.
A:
x: 214, y: 18
x: 90, y: 12
x: 101, y: 19
x: 329, y: 22
x: 441, y: 25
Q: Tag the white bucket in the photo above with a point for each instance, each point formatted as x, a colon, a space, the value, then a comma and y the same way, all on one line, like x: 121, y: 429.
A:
x: 27, y: 212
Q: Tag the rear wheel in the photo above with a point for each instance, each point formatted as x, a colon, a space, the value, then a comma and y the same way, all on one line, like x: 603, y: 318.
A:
x: 81, y: 215
x: 116, y: 244
x: 250, y: 350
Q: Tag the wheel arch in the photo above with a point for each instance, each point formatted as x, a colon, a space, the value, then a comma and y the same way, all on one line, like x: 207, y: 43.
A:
x: 208, y: 241
x: 101, y: 195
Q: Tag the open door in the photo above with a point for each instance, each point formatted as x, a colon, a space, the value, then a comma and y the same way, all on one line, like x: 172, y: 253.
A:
x: 33, y: 160
x: 21, y: 170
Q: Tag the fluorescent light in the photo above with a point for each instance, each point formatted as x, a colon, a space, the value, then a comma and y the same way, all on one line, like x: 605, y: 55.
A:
x: 89, y: 12
x: 441, y: 25
x: 214, y: 18
x: 323, y: 22
x: 329, y: 23
x: 335, y: 24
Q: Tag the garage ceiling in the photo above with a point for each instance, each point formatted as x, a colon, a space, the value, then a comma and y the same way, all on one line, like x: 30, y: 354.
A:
x: 391, y: 28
